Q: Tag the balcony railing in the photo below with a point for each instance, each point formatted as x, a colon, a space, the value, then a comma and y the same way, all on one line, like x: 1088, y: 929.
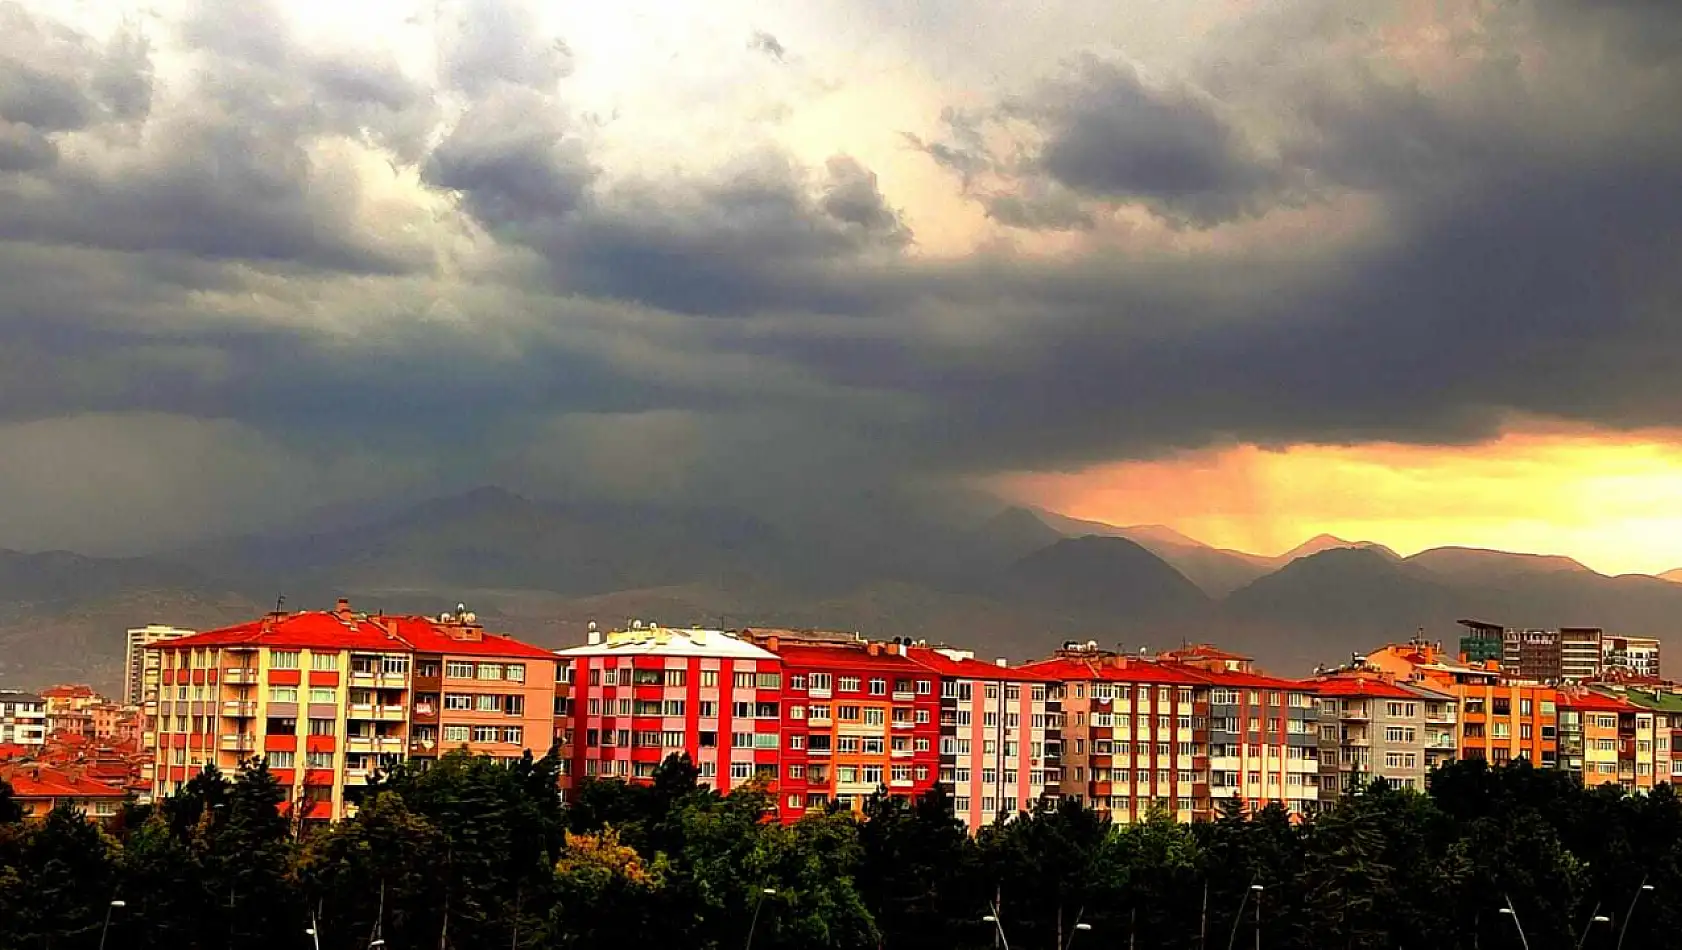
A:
x: 239, y: 674
x: 239, y: 709
x: 239, y: 743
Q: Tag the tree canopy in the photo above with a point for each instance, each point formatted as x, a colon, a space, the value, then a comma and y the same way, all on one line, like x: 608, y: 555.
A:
x: 476, y: 853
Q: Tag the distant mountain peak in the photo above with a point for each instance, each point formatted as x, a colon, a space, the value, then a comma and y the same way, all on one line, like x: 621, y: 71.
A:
x: 1162, y: 534
x: 1330, y: 542
x: 1674, y: 576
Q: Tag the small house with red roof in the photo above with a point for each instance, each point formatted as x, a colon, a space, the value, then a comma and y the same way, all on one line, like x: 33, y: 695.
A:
x: 39, y: 788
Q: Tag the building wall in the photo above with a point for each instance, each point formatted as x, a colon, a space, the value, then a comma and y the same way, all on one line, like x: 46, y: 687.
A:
x: 1501, y: 722
x: 23, y: 719
x: 134, y: 657
x: 993, y: 742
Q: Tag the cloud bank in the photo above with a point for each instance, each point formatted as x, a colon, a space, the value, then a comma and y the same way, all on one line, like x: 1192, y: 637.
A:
x: 267, y: 260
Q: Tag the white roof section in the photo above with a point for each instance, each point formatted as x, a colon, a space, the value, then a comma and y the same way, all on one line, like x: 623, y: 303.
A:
x: 671, y: 641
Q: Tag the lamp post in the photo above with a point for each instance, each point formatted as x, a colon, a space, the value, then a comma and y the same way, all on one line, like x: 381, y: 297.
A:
x: 1078, y: 928
x: 114, y: 905
x: 1232, y: 941
x: 1623, y: 928
x: 1510, y: 912
x: 1595, y: 918
x: 764, y: 892
x: 998, y: 927
x: 314, y: 937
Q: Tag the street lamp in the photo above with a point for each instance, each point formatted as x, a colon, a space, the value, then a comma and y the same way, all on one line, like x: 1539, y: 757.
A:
x: 1595, y: 918
x: 764, y: 892
x: 999, y: 926
x: 1232, y: 941
x: 1510, y: 912
x: 1623, y: 928
x: 114, y: 905
x: 1079, y: 928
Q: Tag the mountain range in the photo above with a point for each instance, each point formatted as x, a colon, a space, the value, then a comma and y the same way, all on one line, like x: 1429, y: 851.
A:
x: 1013, y: 584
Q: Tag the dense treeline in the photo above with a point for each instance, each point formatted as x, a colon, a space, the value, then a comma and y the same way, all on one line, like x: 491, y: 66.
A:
x: 476, y: 854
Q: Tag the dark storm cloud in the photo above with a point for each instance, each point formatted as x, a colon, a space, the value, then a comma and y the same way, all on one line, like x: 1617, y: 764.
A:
x: 1499, y: 240
x: 1111, y: 135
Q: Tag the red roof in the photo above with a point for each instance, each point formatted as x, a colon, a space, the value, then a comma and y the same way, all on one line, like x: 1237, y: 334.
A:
x: 1132, y: 671
x: 842, y: 657
x: 1593, y: 702
x: 971, y: 668
x: 1204, y: 651
x: 36, y: 781
x: 1358, y: 686
x: 333, y: 631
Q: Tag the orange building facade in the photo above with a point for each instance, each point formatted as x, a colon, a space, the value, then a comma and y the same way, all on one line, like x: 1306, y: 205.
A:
x: 329, y: 698
x: 1499, y: 720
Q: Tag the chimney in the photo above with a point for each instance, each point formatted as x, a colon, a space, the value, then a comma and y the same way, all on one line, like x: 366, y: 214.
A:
x: 1001, y: 661
x: 771, y: 644
x: 873, y: 649
x: 342, y: 608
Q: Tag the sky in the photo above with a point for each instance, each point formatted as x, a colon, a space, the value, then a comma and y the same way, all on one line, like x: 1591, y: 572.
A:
x: 1404, y: 270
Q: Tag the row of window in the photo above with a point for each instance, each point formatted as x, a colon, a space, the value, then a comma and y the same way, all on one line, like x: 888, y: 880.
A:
x: 709, y: 678
x: 513, y: 735
x: 963, y: 690
x: 509, y: 704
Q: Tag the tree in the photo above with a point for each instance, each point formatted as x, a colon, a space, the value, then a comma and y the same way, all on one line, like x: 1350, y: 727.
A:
x: 67, y: 882
x: 375, y: 875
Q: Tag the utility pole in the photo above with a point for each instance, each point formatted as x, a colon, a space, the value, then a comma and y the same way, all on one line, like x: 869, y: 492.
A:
x: 1203, y: 921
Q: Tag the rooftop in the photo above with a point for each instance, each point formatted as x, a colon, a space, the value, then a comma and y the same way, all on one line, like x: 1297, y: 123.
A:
x: 959, y: 665
x: 342, y: 629
x: 1360, y: 686
x: 41, y: 781
x: 671, y: 641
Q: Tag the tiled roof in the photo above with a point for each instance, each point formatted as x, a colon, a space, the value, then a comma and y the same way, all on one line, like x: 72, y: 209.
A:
x: 1593, y: 702
x: 324, y: 630
x: 1132, y: 671
x: 35, y: 781
x: 1358, y: 686
x: 971, y: 668
x: 842, y: 657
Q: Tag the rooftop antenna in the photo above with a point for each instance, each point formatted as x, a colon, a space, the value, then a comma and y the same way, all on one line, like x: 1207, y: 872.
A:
x: 278, y: 601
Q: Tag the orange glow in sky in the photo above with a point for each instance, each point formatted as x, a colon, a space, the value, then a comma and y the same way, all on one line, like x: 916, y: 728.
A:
x: 1612, y: 501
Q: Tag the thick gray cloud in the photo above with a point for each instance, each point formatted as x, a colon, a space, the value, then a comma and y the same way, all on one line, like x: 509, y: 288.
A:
x: 1366, y: 239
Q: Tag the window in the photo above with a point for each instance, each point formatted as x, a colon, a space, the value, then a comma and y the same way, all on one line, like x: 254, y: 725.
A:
x: 765, y: 740
x: 672, y: 707
x: 871, y: 774
x: 921, y: 745
x: 462, y: 701
x: 796, y: 741
x: 456, y: 733
x: 488, y: 671
x: 848, y: 713
x: 321, y: 695
x: 323, y: 727
x: 484, y: 734
x: 797, y: 771
x: 281, y: 760
x: 878, y: 687
x: 744, y: 681
x: 873, y: 716
x: 741, y: 740
x: 707, y: 709
x: 324, y: 661
x: 395, y: 665
x: 283, y: 660
x: 901, y: 773
x: 488, y: 702
x: 741, y: 710
x: 709, y: 677
x: 462, y: 670
x: 319, y: 760
x: 849, y: 684
x: 768, y: 680
x: 741, y: 770
x: 821, y: 681
x: 925, y: 687
x: 283, y: 694
x: 516, y: 673
x: 797, y: 712
x: 513, y: 734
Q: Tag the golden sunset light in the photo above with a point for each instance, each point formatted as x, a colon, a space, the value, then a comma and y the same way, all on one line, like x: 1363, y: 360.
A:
x: 1613, y: 502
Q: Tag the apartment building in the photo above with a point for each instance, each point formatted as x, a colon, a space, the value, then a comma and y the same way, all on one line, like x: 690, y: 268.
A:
x: 1179, y: 731
x: 1372, y: 728
x: 1664, y: 701
x: 23, y: 718
x: 1499, y: 718
x: 634, y: 697
x: 1564, y: 654
x: 135, y: 642
x: 1635, y: 655
x: 70, y: 708
x: 1135, y: 733
x: 328, y: 698
x: 860, y: 718
x: 1000, y: 733
x: 1608, y: 739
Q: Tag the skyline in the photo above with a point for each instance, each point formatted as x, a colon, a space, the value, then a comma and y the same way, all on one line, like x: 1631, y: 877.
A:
x: 1392, y: 269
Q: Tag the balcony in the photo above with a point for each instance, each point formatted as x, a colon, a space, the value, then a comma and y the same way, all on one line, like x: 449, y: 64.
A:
x: 393, y: 680
x: 360, y: 743
x: 239, y: 674
x: 360, y: 711
x: 390, y: 713
x: 816, y: 693
x: 240, y: 743
x: 390, y: 743
x: 904, y: 724
x: 364, y: 676
x: 239, y: 709
x: 904, y: 697
x: 357, y: 776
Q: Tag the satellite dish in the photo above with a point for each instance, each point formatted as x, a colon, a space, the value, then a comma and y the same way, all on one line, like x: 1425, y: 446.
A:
x: 471, y: 617
x: 592, y: 625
